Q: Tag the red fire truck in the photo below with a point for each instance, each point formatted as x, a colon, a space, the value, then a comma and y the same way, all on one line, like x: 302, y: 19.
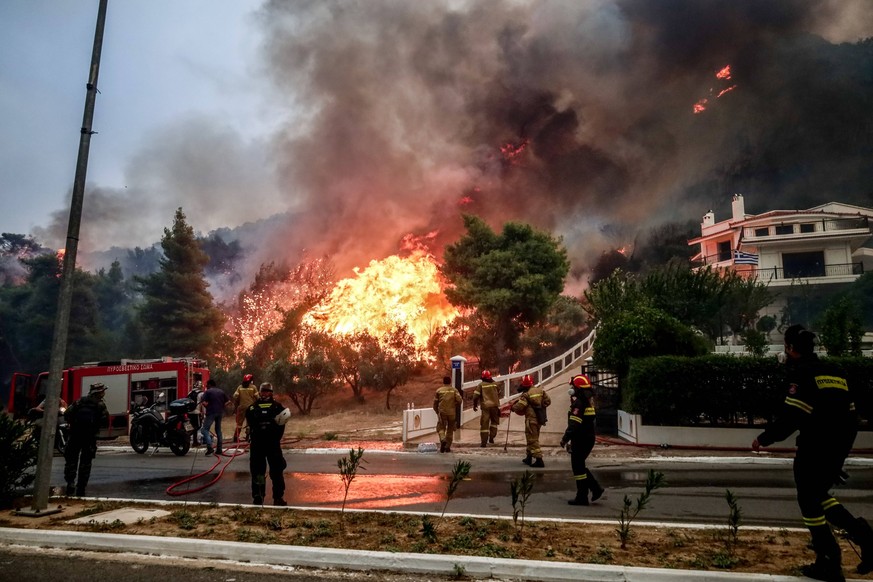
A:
x: 126, y: 381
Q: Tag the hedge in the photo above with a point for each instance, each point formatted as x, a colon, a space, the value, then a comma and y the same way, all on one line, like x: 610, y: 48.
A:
x: 721, y: 390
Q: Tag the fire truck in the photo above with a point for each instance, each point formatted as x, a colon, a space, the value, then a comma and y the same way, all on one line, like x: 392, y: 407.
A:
x: 127, y: 381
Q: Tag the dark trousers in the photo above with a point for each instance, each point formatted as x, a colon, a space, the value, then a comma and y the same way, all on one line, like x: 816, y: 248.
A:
x: 580, y: 448
x: 815, y: 472
x: 78, y: 455
x: 260, y: 455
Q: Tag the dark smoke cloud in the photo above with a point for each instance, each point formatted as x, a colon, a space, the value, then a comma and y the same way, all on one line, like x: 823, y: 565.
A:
x: 406, y: 106
x: 575, y: 116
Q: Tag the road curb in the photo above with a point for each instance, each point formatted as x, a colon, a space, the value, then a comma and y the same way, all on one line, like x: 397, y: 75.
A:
x: 343, y: 559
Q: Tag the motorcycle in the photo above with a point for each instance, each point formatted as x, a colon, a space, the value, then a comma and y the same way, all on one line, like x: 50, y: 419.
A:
x: 62, y: 430
x: 148, y: 427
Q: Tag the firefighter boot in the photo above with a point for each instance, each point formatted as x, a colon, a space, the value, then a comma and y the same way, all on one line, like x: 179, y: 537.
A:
x: 824, y: 568
x: 484, y: 441
x: 527, y: 460
x: 491, y: 439
x: 863, y: 536
x: 596, y: 489
x: 581, y: 493
x: 442, y: 446
x: 827, y: 557
x: 538, y: 463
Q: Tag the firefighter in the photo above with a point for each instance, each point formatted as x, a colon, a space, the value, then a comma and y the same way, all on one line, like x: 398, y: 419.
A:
x: 245, y: 395
x: 445, y: 404
x: 486, y: 396
x: 85, y: 418
x: 579, y: 439
x: 267, y: 419
x: 818, y: 404
x: 532, y: 405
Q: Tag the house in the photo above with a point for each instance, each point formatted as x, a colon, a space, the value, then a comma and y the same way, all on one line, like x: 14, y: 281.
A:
x: 802, y: 255
x: 823, y: 245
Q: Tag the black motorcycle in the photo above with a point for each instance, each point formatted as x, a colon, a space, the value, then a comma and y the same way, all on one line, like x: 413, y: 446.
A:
x: 148, y: 427
x: 62, y: 430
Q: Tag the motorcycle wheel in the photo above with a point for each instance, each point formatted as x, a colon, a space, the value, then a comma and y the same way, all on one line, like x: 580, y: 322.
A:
x: 138, y: 441
x: 179, y: 442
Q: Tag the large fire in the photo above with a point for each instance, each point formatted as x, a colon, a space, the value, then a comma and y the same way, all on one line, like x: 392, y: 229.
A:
x: 393, y: 291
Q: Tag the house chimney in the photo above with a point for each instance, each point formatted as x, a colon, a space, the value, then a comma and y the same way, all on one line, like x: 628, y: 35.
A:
x: 738, y: 207
x: 708, y: 219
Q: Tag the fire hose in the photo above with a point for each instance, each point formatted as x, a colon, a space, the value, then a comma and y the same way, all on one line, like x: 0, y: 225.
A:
x: 239, y: 449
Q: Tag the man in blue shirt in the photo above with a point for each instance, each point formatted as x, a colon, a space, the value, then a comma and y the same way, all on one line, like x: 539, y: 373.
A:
x: 213, y: 402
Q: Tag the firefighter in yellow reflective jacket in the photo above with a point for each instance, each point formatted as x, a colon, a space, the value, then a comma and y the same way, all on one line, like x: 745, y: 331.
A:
x: 244, y: 396
x: 819, y: 405
x: 486, y: 396
x: 579, y: 439
x: 445, y: 403
x: 532, y: 404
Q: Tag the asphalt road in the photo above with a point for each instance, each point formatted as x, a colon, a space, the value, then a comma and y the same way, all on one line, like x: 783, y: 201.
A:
x: 403, y: 481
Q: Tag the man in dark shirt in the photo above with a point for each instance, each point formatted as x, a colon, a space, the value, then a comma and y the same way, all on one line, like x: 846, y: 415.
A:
x: 819, y: 405
x: 266, y: 419
x: 85, y: 417
x: 213, y: 402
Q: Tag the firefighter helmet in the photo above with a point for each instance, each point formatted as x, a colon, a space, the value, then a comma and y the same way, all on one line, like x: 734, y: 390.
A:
x: 266, y: 387
x: 486, y: 375
x: 282, y: 417
x: 248, y: 378
x: 580, y: 381
x: 527, y: 381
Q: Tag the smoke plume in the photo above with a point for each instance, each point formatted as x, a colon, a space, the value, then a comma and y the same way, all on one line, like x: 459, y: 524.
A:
x: 575, y: 116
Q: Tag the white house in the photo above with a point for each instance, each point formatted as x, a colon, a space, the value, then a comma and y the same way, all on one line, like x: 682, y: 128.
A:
x: 798, y: 254
x: 819, y: 246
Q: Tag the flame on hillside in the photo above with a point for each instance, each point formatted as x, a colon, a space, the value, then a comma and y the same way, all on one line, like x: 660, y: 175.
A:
x: 391, y: 292
x: 723, y: 75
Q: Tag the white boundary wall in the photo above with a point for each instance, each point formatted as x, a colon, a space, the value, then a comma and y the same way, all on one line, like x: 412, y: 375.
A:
x: 631, y: 428
x: 418, y: 422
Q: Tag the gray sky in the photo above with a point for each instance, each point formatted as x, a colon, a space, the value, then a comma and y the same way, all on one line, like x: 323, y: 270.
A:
x: 167, y: 66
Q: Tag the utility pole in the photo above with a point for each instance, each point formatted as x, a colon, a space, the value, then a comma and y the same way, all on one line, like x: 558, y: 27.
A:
x: 42, y: 482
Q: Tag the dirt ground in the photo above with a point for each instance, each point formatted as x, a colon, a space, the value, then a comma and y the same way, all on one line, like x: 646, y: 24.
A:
x: 341, y: 421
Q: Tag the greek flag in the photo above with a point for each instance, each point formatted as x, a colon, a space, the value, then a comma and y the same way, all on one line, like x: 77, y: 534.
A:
x: 741, y: 258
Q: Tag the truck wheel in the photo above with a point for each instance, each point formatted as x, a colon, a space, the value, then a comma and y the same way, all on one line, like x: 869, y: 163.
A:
x: 138, y: 441
x: 179, y: 442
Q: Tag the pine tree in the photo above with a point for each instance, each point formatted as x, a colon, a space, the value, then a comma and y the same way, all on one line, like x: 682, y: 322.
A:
x: 178, y: 315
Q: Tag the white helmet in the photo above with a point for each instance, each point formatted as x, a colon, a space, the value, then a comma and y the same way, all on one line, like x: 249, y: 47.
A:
x: 283, y: 417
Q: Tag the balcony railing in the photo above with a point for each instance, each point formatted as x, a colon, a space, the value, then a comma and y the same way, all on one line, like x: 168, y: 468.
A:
x: 813, y: 271
x: 806, y: 227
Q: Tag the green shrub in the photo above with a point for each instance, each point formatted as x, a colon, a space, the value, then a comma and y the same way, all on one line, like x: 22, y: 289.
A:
x: 722, y: 390
x: 19, y: 456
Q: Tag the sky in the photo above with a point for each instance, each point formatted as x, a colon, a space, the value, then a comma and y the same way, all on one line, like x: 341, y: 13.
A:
x: 367, y: 126
x: 166, y: 67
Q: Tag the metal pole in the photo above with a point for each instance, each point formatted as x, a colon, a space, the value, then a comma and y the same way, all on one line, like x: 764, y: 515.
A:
x: 42, y: 482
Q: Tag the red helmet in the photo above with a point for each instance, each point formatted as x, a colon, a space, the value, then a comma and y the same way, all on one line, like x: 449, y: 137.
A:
x: 486, y: 375
x: 248, y: 378
x: 580, y: 381
x: 527, y: 381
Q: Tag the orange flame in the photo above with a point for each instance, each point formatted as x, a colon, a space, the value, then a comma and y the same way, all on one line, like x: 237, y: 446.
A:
x: 391, y: 292
x: 723, y: 74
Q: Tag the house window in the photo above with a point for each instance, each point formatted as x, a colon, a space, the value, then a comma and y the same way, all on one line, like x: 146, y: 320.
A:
x: 762, y: 231
x: 807, y: 228
x: 785, y: 229
x: 803, y: 264
x: 724, y: 250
